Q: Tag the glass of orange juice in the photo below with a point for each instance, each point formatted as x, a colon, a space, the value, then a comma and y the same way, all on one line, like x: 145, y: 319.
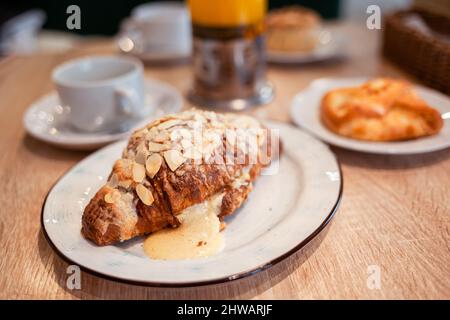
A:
x: 228, y: 54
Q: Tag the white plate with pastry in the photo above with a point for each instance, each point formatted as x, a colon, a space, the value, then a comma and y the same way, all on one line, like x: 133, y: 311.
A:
x: 47, y: 119
x: 154, y: 220
x: 381, y: 115
x: 298, y: 35
x: 330, y: 45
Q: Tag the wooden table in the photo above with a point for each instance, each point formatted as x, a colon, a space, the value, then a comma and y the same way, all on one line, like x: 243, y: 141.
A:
x: 395, y: 211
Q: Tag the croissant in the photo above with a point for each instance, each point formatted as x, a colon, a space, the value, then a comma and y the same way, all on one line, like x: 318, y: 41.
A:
x: 173, y: 163
x: 382, y: 109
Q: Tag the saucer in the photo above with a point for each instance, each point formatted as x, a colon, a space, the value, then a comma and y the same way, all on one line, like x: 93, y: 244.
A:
x: 47, y: 120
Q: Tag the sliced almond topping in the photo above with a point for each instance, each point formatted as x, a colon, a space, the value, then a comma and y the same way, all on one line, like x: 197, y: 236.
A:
x: 174, y: 159
x: 141, y: 156
x: 124, y: 183
x: 242, y: 146
x: 162, y: 136
x: 151, y: 133
x: 217, y: 124
x: 139, y: 134
x: 144, y: 194
x: 194, y: 124
x: 199, y: 117
x: 210, y: 115
x: 230, y: 135
x: 174, y: 135
x: 153, y: 164
x: 169, y: 123
x: 180, y: 133
x: 109, y: 198
x: 122, y: 168
x: 192, y: 153
x: 208, y: 148
x: 186, y: 143
x: 112, y: 196
x: 185, y: 133
x: 113, y: 181
x: 138, y: 172
x: 141, y: 153
x: 198, y: 140
x: 157, y: 147
x: 149, y: 137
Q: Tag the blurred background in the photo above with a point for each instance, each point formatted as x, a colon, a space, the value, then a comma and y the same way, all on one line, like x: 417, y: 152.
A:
x: 411, y: 30
x: 38, y: 26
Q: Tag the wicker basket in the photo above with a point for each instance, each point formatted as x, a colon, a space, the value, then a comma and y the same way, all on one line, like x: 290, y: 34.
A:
x: 424, y: 56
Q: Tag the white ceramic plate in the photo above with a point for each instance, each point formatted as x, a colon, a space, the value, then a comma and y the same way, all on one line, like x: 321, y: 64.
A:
x: 46, y: 119
x: 283, y: 213
x: 331, y: 49
x: 305, y: 112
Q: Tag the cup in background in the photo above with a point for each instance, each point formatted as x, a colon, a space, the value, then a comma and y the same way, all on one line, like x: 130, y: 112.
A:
x: 102, y: 92
x: 159, y: 27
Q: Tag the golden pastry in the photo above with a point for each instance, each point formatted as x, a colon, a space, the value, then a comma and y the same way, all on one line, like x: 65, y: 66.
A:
x: 381, y: 109
x: 293, y: 29
x: 171, y: 165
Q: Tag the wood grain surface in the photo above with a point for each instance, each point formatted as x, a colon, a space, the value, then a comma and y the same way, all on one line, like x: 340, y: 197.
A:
x: 395, y: 212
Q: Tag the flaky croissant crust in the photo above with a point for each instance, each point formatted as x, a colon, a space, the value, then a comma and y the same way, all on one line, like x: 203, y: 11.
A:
x: 382, y: 109
x: 167, y: 166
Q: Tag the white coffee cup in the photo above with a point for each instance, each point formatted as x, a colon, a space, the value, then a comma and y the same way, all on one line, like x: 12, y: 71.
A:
x: 102, y: 92
x: 159, y: 27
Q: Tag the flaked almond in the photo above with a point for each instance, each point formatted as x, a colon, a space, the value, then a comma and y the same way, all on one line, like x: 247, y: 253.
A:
x: 217, y: 124
x: 185, y: 133
x: 138, y: 172
x: 141, y: 153
x: 186, y: 143
x: 230, y: 136
x: 162, y: 136
x: 157, y: 147
x: 144, y: 194
x: 198, y: 117
x: 174, y: 159
x: 140, y: 157
x: 180, y: 133
x: 139, y: 134
x: 153, y: 131
x: 153, y: 164
x: 122, y: 168
x: 186, y: 115
x: 242, y: 146
x: 216, y: 139
x: 168, y: 124
x: 113, y: 181
x: 109, y: 198
x: 112, y: 196
x: 195, y: 125
x: 175, y: 135
x: 210, y: 115
x: 197, y: 140
x: 192, y: 153
x: 208, y: 148
x: 124, y: 183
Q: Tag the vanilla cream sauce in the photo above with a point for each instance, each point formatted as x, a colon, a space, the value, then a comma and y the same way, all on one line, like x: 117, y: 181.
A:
x: 198, y: 236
